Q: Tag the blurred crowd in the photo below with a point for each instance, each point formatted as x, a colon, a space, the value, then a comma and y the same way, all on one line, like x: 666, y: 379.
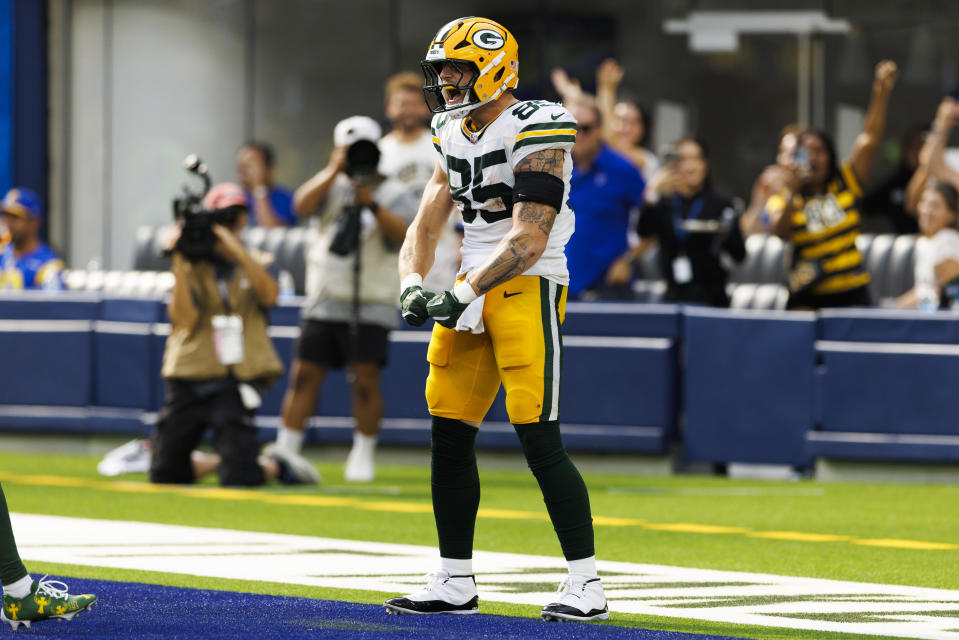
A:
x: 634, y: 207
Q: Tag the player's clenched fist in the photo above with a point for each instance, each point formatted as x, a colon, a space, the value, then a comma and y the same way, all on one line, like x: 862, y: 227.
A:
x: 446, y: 309
x: 413, y: 303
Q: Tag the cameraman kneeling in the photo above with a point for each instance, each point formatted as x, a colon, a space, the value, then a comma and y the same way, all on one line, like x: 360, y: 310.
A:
x: 218, y: 358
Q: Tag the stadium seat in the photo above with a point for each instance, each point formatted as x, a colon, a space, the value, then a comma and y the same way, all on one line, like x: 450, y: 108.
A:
x: 772, y: 267
x: 649, y: 265
x: 292, y: 256
x: 742, y: 294
x: 900, y: 267
x: 878, y: 257
x: 748, y: 270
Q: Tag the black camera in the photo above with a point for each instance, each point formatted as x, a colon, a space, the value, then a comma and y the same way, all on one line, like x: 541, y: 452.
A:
x: 197, y: 239
x: 362, y: 159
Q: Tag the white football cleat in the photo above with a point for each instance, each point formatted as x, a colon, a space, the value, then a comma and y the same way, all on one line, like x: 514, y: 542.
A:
x: 580, y: 599
x: 294, y: 468
x: 444, y: 593
x: 131, y: 457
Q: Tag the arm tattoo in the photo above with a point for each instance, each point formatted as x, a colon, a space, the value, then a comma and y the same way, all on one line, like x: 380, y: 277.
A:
x: 542, y: 215
x: 548, y: 161
x: 507, y: 262
x: 517, y: 252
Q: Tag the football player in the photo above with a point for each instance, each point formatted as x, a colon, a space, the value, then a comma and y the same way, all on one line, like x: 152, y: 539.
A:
x: 506, y: 164
x: 26, y: 600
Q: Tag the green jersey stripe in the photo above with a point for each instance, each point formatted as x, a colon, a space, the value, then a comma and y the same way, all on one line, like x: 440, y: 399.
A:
x: 546, y: 126
x: 543, y: 140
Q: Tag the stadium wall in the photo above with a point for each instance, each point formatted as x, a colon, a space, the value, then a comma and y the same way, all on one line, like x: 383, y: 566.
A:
x: 726, y: 386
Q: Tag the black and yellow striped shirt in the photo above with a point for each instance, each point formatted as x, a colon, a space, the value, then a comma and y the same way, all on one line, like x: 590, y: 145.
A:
x: 825, y: 259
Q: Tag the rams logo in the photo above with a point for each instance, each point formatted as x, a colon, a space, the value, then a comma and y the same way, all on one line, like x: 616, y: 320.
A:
x: 488, y: 39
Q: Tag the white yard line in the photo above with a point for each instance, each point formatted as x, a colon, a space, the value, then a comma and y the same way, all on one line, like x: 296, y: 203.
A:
x: 733, y: 597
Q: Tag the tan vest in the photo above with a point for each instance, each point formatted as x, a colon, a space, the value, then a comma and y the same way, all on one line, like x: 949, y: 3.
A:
x: 191, y: 354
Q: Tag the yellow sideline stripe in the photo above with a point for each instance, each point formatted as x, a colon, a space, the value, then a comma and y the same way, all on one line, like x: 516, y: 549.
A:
x: 307, y: 500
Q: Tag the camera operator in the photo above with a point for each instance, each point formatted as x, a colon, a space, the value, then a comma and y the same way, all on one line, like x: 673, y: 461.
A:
x: 351, y: 287
x: 218, y: 358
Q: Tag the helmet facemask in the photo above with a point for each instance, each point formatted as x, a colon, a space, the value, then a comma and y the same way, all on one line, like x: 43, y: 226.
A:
x: 456, y: 98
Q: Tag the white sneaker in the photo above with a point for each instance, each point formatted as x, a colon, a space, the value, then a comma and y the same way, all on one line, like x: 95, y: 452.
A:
x: 132, y: 457
x: 580, y: 598
x: 444, y: 593
x: 294, y: 468
x: 360, y: 466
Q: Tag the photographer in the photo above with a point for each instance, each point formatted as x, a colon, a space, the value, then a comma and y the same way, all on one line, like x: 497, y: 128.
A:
x: 351, y: 287
x: 218, y: 358
x: 696, y: 228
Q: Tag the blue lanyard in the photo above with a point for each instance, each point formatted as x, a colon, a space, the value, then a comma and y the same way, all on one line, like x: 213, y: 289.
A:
x: 694, y: 210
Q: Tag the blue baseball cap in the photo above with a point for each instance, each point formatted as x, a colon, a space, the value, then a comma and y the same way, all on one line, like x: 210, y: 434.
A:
x: 22, y: 203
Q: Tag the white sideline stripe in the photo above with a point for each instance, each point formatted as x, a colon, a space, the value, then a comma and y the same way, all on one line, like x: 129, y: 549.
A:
x: 617, y: 342
x: 123, y: 328
x: 902, y: 348
x: 882, y: 438
x: 568, y: 341
x: 423, y: 424
x: 396, y: 569
x: 45, y: 326
x: 622, y: 308
x: 750, y: 314
x: 889, y: 314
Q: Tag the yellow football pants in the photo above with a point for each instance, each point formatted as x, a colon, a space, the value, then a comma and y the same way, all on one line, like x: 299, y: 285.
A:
x: 520, y: 348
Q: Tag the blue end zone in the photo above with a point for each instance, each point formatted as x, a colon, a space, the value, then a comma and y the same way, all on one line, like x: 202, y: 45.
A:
x: 145, y: 612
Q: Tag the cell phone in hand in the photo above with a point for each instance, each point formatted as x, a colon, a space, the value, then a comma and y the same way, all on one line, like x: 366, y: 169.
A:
x: 954, y: 92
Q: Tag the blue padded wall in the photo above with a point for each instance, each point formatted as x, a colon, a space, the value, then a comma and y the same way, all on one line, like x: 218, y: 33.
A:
x: 748, y: 384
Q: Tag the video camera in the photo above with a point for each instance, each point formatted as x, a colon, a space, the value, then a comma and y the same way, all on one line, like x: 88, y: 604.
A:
x: 197, y: 238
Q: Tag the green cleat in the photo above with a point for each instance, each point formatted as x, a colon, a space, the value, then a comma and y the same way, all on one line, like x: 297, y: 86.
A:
x: 47, y: 599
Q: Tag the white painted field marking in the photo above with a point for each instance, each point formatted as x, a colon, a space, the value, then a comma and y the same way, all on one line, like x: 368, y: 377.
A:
x: 722, y: 596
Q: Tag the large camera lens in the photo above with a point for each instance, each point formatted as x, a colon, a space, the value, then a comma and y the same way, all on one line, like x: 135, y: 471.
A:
x: 362, y: 158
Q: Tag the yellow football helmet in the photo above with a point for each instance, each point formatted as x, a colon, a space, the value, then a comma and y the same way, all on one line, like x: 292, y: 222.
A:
x: 482, y: 52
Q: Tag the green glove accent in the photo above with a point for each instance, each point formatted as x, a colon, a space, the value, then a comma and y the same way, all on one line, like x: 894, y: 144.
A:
x: 413, y: 302
x: 446, y: 309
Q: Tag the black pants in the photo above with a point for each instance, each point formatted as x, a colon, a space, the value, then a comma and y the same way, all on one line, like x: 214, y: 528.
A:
x: 189, y: 408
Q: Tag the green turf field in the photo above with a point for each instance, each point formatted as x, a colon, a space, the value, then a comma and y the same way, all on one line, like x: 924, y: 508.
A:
x: 896, y: 534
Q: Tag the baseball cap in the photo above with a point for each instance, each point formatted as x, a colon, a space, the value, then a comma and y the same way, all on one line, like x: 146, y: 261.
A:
x: 354, y: 129
x: 223, y: 195
x: 22, y: 202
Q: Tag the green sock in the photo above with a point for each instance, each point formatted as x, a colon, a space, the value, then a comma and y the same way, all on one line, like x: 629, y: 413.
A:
x: 564, y: 491
x: 11, y: 567
x: 456, y: 488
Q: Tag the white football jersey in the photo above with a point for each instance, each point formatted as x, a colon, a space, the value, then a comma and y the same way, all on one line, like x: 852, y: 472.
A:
x: 479, y: 166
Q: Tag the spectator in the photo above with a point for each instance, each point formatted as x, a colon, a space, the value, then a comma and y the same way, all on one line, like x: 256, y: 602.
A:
x: 756, y: 218
x: 351, y: 287
x: 219, y: 359
x: 626, y: 123
x: 693, y: 225
x: 932, y: 163
x: 888, y: 200
x: 272, y: 204
x: 937, y: 250
x: 604, y: 189
x: 818, y: 208
x: 408, y: 156
x: 788, y: 143
x: 26, y: 262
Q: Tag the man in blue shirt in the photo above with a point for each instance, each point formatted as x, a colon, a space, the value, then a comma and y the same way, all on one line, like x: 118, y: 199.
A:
x: 271, y: 205
x: 26, y: 262
x: 605, y: 188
